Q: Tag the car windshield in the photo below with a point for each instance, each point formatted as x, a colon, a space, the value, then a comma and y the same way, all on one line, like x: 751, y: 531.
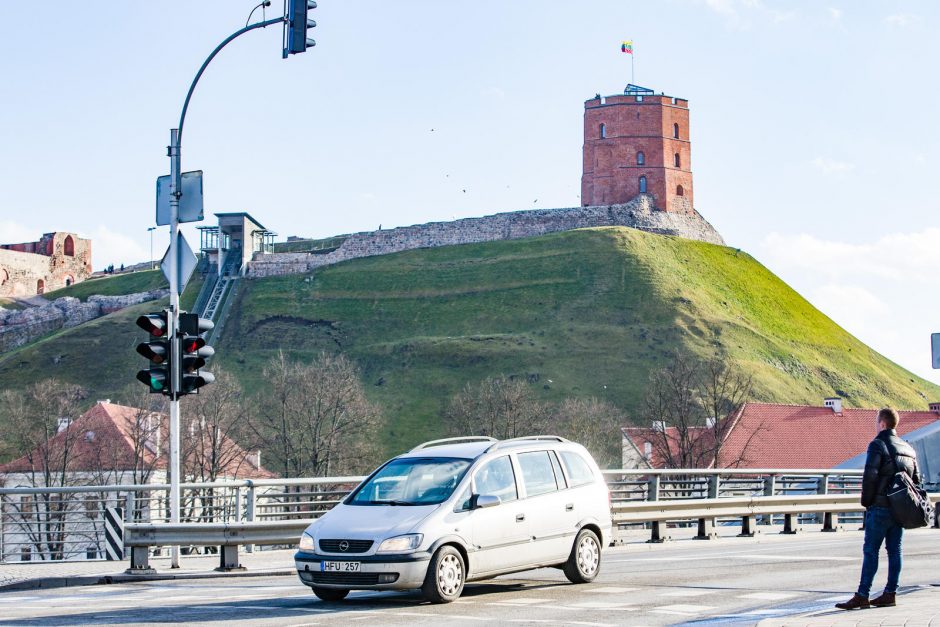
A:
x: 412, y: 481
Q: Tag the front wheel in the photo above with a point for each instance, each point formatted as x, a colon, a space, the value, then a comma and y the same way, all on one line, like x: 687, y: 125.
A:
x: 330, y: 594
x: 585, y: 560
x: 445, y: 578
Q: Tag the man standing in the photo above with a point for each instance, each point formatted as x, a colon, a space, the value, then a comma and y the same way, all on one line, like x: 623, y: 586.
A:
x: 887, y: 454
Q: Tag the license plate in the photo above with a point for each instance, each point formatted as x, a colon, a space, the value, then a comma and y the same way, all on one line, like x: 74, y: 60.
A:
x: 339, y: 567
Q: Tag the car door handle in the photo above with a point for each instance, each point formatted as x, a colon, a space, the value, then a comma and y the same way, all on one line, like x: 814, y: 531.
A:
x: 520, y: 517
x: 569, y: 507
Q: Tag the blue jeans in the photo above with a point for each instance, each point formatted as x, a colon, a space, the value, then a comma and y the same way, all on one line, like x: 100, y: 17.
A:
x: 880, y: 527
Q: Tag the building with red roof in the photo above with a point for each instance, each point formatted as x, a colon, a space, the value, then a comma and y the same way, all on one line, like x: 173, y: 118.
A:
x: 768, y: 435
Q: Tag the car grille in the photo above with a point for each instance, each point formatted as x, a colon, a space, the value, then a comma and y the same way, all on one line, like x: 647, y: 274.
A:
x: 355, y: 546
x: 345, y: 579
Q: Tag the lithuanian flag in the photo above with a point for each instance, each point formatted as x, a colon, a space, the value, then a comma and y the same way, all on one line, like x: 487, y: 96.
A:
x: 627, y: 46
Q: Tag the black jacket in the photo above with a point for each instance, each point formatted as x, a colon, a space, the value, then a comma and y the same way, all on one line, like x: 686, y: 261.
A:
x: 880, y: 467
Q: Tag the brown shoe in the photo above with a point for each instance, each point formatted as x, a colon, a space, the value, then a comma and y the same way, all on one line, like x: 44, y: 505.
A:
x: 857, y: 602
x: 885, y: 600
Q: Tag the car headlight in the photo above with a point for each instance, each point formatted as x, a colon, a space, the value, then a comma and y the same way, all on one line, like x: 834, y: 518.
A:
x: 401, y: 544
x: 306, y: 542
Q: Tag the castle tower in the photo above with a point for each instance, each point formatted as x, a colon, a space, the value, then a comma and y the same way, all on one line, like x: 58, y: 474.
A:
x: 634, y: 144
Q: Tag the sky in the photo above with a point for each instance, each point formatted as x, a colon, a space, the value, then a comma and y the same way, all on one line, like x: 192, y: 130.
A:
x: 813, y: 126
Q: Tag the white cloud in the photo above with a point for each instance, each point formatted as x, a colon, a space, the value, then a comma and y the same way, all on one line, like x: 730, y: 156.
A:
x: 883, y: 291
x: 109, y: 247
x: 835, y: 14
x: 739, y: 12
x: 831, y: 166
x: 15, y: 233
x: 493, y: 93
x: 902, y: 20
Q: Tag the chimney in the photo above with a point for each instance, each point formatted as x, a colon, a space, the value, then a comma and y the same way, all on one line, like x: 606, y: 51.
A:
x: 835, y: 404
x: 935, y: 407
x: 64, y: 422
x: 255, y: 459
x: 659, y: 426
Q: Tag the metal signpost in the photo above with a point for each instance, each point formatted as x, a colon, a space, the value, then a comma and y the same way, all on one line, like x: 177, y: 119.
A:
x: 179, y: 199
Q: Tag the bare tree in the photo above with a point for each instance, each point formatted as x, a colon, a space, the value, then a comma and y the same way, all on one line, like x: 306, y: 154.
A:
x: 498, y: 407
x: 144, y: 431
x: 314, y: 418
x: 593, y: 423
x: 36, y: 421
x: 690, y: 406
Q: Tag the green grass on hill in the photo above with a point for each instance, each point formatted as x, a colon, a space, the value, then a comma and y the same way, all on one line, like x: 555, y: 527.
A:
x: 114, y: 285
x: 582, y: 313
x: 8, y: 303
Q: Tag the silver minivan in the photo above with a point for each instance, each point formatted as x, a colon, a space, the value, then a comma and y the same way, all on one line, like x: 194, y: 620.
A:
x: 462, y: 509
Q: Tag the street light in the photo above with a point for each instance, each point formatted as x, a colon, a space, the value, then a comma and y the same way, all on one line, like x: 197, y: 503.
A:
x: 151, y: 230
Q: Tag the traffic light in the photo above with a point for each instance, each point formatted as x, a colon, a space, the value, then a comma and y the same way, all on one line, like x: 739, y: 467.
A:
x: 159, y: 350
x: 193, y: 353
x: 296, y: 25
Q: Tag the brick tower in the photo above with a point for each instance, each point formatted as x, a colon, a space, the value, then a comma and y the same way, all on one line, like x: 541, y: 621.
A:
x: 637, y: 143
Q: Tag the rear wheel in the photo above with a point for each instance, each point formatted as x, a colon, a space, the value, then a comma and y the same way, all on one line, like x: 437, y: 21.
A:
x: 330, y: 594
x: 585, y: 560
x: 445, y: 578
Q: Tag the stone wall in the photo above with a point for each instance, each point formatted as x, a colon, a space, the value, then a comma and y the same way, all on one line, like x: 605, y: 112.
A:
x: 639, y: 213
x: 57, y: 260
x: 20, y: 327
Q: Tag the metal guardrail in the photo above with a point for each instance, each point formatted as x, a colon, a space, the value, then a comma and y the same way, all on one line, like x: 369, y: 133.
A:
x: 67, y: 523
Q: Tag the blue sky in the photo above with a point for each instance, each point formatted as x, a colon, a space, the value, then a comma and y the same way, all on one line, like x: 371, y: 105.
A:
x: 813, y: 126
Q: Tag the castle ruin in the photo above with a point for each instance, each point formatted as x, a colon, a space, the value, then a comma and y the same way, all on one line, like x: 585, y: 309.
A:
x: 57, y: 260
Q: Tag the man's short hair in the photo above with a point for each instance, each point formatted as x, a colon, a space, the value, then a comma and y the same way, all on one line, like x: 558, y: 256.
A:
x: 889, y: 417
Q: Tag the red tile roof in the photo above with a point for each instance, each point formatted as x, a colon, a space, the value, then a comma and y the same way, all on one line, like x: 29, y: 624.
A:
x: 103, y: 439
x: 765, y: 435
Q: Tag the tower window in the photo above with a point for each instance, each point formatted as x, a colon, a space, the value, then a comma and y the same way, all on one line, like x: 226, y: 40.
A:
x: 640, y: 158
x: 677, y: 161
x: 680, y: 191
x: 603, y: 131
x: 642, y: 184
x: 675, y: 130
x: 69, y: 246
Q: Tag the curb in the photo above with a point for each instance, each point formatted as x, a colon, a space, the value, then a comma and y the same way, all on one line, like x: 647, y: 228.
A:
x: 48, y: 583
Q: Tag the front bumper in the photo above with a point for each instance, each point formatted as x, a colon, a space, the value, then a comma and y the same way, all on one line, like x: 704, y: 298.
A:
x: 376, y: 572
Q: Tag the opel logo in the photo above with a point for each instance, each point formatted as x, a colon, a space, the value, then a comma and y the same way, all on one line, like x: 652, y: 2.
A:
x: 343, y: 545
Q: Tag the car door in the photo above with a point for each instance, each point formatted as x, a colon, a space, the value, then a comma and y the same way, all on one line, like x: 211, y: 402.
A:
x: 501, y: 533
x: 553, y: 520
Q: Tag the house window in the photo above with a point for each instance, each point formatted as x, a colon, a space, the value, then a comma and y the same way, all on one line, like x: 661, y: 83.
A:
x: 680, y: 191
x: 40, y: 286
x: 603, y: 131
x: 677, y: 161
x: 640, y: 158
x: 69, y: 246
x: 642, y: 184
x: 675, y: 131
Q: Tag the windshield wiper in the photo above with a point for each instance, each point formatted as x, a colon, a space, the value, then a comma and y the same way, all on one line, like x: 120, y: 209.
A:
x: 391, y: 502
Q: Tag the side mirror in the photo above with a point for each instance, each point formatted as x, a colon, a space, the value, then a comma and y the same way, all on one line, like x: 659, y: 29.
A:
x: 479, y: 501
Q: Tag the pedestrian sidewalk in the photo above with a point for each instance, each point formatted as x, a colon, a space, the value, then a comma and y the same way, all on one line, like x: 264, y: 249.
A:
x: 917, y: 606
x: 35, y: 575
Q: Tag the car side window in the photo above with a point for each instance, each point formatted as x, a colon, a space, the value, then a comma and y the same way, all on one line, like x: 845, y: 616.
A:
x: 496, y: 478
x: 463, y: 503
x: 579, y: 471
x: 537, y: 473
x: 559, y: 475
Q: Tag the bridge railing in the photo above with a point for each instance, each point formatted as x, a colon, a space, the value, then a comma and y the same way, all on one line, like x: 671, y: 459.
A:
x: 70, y: 523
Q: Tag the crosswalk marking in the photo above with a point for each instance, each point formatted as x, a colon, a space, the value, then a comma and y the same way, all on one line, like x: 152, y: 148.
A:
x: 768, y: 596
x: 610, y: 590
x: 686, y: 608
x: 686, y: 593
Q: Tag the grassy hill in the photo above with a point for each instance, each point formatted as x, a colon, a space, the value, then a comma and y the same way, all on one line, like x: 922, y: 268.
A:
x: 114, y: 285
x: 581, y: 313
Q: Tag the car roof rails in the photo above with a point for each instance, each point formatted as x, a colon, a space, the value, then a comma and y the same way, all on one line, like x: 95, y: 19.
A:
x: 465, y: 438
x: 524, y: 439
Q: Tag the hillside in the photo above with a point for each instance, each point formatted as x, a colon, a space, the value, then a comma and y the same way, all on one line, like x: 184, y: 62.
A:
x: 114, y: 285
x: 580, y: 313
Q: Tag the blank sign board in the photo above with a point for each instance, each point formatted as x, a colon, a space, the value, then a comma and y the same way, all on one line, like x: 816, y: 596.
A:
x: 190, y: 208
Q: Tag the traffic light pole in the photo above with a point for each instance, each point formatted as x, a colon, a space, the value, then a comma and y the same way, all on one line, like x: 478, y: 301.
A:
x: 176, y: 191
x: 172, y: 324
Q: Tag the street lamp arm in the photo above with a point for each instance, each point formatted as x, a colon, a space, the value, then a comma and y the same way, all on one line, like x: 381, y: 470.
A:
x: 265, y: 24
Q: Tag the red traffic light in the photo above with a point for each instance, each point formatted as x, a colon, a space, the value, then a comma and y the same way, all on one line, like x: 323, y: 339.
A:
x: 155, y: 324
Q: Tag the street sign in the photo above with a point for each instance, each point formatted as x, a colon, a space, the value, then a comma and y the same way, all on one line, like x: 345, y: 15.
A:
x: 190, y: 202
x: 186, y: 263
x: 935, y: 350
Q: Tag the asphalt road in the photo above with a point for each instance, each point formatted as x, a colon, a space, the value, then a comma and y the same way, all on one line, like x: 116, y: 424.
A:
x: 723, y: 581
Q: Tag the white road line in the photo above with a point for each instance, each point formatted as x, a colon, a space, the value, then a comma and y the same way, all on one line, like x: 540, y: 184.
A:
x: 444, y: 616
x: 610, y: 590
x: 525, y: 601
x: 600, y: 605
x: 686, y: 593
x: 768, y: 596
x: 679, y: 607
x: 797, y: 558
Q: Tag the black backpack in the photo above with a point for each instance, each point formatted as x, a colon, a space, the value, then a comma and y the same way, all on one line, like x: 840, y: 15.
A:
x: 910, y: 506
